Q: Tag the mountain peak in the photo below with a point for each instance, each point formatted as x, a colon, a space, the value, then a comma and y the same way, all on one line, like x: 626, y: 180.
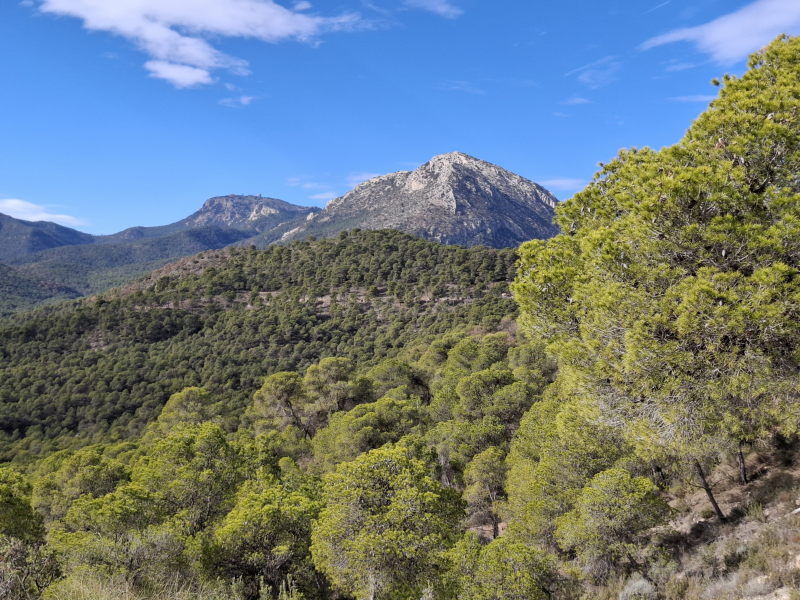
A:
x: 452, y: 158
x: 453, y: 198
x: 245, y: 211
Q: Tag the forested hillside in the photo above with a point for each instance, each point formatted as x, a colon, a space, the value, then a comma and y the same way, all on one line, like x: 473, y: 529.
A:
x: 19, y: 238
x: 20, y: 292
x: 107, y: 365
x: 633, y: 436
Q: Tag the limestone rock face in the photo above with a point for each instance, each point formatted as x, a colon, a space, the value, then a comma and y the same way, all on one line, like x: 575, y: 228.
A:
x: 452, y: 199
x: 248, y: 216
x: 245, y: 212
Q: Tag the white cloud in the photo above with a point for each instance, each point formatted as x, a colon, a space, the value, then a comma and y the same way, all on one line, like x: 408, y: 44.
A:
x: 732, y: 37
x: 173, y: 33
x: 576, y: 100
x: 355, y: 178
x: 325, y: 196
x: 705, y: 99
x: 442, y: 8
x: 674, y: 66
x: 237, y: 101
x: 562, y: 183
x: 598, y: 73
x: 181, y: 76
x: 28, y: 211
x: 302, y: 5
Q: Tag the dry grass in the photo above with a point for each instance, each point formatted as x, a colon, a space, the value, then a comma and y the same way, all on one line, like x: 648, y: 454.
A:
x: 88, y: 585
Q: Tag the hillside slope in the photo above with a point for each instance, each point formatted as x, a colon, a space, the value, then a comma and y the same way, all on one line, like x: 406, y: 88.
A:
x: 21, y: 292
x: 226, y: 319
x: 20, y: 238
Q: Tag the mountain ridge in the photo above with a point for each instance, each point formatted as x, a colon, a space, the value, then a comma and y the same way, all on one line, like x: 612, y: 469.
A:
x: 43, y: 256
x: 254, y: 214
x: 19, y: 237
x: 453, y: 199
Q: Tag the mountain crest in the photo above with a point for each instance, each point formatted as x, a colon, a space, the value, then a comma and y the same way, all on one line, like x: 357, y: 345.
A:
x: 453, y: 198
x: 243, y: 211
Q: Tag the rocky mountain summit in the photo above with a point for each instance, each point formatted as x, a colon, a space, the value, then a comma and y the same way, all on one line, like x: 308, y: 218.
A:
x: 246, y: 212
x: 452, y: 199
x: 250, y: 215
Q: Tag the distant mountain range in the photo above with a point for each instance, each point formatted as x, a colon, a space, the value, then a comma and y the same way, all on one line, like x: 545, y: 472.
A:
x: 44, y: 261
x: 452, y: 199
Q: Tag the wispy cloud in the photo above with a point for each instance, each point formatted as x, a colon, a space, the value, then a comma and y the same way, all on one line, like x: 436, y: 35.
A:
x: 175, y: 34
x: 598, y: 73
x: 567, y: 184
x: 28, y: 211
x: 355, y: 178
x: 237, y: 101
x: 705, y: 99
x: 324, y: 196
x: 181, y: 76
x: 465, y: 87
x: 733, y: 36
x: 575, y: 101
x: 307, y: 184
x: 675, y: 66
x: 443, y: 8
x: 656, y: 7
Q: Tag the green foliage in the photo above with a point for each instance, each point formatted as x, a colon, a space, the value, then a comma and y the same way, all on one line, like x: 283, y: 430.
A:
x: 21, y: 292
x: 393, y: 373
x: 559, y: 447
x: 191, y: 473
x: 484, y: 480
x: 280, y: 403
x: 66, y: 476
x: 502, y: 570
x: 611, y: 513
x: 477, y: 401
x: 331, y: 388
x: 103, y: 368
x: 367, y: 427
x: 265, y: 538
x: 673, y: 293
x: 17, y: 517
x: 659, y: 331
x: 385, y: 524
x: 190, y: 406
x: 146, y: 529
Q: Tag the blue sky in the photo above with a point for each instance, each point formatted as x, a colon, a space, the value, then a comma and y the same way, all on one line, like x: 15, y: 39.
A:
x: 132, y: 112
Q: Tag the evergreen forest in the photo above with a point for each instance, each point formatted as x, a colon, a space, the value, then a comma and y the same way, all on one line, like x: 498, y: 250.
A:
x: 608, y: 414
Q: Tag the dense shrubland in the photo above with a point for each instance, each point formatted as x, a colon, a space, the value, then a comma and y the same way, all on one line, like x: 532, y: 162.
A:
x: 656, y: 359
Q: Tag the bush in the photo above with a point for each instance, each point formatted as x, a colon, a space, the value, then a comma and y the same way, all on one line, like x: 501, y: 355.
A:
x: 609, y: 516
